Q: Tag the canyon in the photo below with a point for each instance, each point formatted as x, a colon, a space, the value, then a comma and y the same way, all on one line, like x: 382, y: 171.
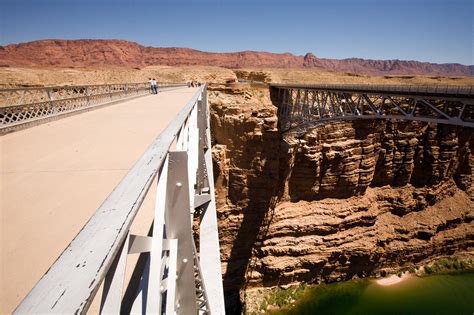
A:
x: 340, y: 201
x: 121, y: 53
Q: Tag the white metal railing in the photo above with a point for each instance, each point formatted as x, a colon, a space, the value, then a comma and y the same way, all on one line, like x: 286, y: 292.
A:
x: 19, y: 106
x: 177, y: 278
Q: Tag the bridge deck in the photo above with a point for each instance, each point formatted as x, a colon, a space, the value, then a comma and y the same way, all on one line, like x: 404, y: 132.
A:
x: 54, y: 176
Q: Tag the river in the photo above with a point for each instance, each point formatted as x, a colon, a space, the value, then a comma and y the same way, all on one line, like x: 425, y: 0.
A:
x: 438, y: 294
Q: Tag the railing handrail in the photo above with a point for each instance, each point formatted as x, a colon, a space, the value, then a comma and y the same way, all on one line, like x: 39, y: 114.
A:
x: 84, y: 86
x: 72, y: 281
x: 23, y: 108
x: 144, y: 87
x: 48, y: 90
x: 2, y: 108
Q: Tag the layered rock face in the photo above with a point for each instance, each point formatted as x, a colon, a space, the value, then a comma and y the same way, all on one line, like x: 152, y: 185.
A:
x: 246, y: 167
x: 363, y: 197
x: 122, y: 53
x: 343, y: 200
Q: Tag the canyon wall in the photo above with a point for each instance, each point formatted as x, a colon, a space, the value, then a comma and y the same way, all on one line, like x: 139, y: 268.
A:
x: 344, y: 200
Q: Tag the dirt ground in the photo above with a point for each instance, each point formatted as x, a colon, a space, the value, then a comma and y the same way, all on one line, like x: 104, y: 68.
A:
x: 329, y: 77
x: 40, y: 76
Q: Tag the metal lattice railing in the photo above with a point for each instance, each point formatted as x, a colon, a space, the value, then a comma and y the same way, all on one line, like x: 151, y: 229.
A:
x: 176, y: 278
x: 23, y: 105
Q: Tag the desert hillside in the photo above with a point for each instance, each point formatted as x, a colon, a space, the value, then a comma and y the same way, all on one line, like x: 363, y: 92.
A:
x: 121, y: 53
x: 44, y: 76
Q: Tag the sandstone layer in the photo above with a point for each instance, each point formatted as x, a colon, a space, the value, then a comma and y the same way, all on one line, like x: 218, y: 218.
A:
x: 121, y: 53
x: 343, y: 200
x: 11, y: 77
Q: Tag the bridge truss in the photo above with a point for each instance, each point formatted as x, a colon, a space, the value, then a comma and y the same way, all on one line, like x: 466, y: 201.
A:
x: 176, y: 276
x: 301, y: 106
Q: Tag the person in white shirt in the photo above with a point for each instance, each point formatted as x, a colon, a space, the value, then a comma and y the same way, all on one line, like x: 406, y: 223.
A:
x: 152, y: 88
x: 155, y: 85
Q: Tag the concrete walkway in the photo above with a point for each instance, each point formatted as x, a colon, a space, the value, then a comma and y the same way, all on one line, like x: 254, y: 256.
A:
x: 54, y: 176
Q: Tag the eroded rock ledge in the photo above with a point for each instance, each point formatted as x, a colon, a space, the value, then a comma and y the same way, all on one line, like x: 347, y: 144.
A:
x: 344, y: 200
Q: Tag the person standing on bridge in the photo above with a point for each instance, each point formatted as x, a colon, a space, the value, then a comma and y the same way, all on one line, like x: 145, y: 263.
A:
x: 152, y: 85
x: 155, y: 85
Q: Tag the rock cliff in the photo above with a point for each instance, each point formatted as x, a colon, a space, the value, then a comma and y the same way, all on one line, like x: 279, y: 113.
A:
x: 121, y: 53
x: 344, y: 200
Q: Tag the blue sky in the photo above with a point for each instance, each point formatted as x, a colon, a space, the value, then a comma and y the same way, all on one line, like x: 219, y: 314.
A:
x: 426, y: 30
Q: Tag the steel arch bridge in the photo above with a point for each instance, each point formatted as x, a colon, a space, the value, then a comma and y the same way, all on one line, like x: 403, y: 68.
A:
x: 301, y: 106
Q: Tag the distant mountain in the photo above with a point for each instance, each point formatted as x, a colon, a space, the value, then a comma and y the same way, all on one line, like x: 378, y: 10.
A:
x: 121, y: 53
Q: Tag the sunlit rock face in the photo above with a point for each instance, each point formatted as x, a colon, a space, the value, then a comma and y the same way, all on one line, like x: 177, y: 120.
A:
x: 121, y: 53
x: 342, y: 200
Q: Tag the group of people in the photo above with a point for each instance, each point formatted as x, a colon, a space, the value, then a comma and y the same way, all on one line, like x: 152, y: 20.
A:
x: 194, y: 84
x: 153, y: 86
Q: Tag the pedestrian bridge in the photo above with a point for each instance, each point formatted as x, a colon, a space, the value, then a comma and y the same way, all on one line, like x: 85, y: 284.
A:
x: 130, y: 184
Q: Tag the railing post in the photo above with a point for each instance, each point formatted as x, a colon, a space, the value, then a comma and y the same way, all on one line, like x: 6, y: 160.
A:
x: 172, y: 303
x: 178, y: 226
x: 154, y: 303
x: 203, y: 145
x: 113, y: 283
x: 51, y: 101
x: 208, y: 236
x: 88, y: 96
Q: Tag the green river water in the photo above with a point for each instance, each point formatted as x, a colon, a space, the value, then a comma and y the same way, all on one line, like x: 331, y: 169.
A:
x: 438, y: 294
